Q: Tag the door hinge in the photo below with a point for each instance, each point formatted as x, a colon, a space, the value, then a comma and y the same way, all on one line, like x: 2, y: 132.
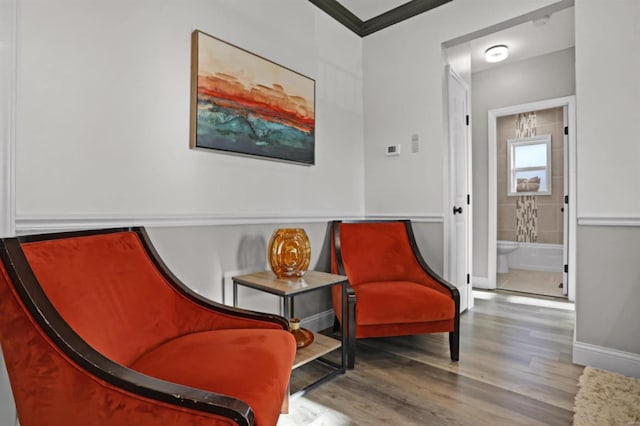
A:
x: 468, y: 199
x: 467, y: 118
x: 566, y: 130
x: 468, y: 279
x: 566, y: 269
x: 566, y: 199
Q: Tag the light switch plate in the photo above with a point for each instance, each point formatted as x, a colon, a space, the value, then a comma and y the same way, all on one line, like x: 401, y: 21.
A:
x: 393, y: 150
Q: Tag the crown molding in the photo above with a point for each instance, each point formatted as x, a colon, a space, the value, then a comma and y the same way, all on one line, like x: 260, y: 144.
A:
x: 399, y: 14
x: 340, y: 14
x: 364, y: 28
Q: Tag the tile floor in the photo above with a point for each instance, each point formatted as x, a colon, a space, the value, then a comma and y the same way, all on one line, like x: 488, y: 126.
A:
x: 535, y: 282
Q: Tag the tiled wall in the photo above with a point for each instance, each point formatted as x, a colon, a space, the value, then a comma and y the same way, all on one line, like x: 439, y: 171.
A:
x: 536, y: 218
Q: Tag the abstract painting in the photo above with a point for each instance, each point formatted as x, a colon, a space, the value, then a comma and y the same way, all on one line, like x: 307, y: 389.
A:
x: 245, y: 104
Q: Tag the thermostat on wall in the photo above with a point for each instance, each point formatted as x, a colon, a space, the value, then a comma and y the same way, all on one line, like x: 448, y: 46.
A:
x: 393, y: 150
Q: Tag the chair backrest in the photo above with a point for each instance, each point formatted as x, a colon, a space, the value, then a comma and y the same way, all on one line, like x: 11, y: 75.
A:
x: 108, y: 290
x: 377, y: 251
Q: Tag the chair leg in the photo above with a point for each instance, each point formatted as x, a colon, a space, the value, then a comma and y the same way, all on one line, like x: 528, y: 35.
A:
x: 454, y: 345
x: 351, y: 356
x: 351, y: 339
x: 351, y: 330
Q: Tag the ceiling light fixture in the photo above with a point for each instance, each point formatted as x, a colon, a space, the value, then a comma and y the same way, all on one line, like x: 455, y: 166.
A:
x: 496, y: 53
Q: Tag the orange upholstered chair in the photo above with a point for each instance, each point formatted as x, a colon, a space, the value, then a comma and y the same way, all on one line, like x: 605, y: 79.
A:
x: 96, y: 331
x: 396, y: 292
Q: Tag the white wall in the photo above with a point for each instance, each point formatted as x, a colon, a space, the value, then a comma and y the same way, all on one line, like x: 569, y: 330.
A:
x: 403, y: 95
x: 7, y: 108
x: 7, y: 77
x: 102, y: 120
x: 543, y: 77
x: 608, y: 107
x: 102, y: 128
x: 103, y: 111
x: 608, y: 99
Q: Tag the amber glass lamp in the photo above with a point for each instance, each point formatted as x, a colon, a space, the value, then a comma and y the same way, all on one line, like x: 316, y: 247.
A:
x: 289, y: 252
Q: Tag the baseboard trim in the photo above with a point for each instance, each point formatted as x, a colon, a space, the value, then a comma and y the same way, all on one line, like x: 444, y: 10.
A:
x: 621, y: 362
x: 319, y: 321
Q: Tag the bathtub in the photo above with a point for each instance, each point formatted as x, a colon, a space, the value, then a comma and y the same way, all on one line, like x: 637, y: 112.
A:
x: 537, y: 257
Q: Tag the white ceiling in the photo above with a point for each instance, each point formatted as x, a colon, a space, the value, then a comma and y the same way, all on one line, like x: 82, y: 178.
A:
x: 527, y: 40
x: 367, y: 9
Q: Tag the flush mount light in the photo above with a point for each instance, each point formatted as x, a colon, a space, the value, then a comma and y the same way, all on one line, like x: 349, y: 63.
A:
x: 496, y: 53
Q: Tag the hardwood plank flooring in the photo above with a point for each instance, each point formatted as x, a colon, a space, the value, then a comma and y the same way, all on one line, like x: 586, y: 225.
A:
x: 515, y: 369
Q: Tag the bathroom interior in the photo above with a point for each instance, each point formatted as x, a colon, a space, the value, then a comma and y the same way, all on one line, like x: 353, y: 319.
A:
x: 530, y: 196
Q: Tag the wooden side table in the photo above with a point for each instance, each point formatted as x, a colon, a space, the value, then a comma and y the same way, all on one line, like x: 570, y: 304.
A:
x: 287, y: 289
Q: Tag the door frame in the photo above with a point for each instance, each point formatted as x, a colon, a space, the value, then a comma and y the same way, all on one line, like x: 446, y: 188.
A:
x: 570, y: 103
x: 449, y: 223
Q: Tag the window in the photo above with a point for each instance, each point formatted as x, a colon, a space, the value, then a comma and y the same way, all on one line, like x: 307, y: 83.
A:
x: 529, y: 166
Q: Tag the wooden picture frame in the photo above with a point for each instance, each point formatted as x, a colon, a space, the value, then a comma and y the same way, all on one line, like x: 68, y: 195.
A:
x: 242, y: 103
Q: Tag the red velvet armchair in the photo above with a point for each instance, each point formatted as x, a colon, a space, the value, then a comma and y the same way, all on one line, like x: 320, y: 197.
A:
x: 396, y: 292
x: 95, y: 330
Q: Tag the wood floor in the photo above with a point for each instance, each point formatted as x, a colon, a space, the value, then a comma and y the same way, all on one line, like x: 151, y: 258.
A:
x: 515, y: 369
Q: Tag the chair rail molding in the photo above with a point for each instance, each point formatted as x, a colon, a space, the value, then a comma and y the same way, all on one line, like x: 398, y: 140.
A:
x: 37, y: 223
x: 424, y: 218
x: 613, y: 220
x: 26, y: 224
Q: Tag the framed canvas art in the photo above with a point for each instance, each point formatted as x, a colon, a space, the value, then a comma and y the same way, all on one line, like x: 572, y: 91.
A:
x: 244, y: 104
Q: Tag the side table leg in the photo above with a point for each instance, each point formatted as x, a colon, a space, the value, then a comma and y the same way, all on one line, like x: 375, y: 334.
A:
x: 285, y: 308
x: 235, y: 294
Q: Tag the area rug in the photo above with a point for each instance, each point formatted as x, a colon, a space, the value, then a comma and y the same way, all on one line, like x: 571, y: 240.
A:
x: 606, y: 398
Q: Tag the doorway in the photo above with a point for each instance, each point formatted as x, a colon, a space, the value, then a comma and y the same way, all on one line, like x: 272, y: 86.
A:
x: 536, y: 254
x: 530, y: 195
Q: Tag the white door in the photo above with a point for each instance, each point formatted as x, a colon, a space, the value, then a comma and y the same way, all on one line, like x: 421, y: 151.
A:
x: 460, y: 189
